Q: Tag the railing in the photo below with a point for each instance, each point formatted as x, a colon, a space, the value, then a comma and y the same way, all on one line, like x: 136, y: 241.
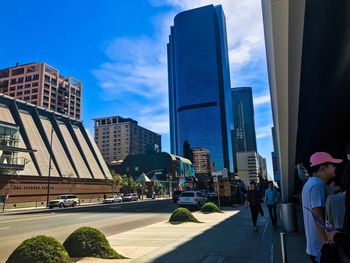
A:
x: 8, y: 141
x: 8, y: 160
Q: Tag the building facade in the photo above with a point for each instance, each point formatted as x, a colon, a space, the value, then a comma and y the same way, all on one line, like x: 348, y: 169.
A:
x: 201, y: 161
x: 199, y: 84
x: 248, y: 167
x: 262, y: 167
x: 42, y: 85
x: 118, y: 137
x: 243, y: 133
x: 37, y: 144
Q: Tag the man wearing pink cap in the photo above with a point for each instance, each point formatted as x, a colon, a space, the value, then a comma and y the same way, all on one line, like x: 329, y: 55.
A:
x: 323, y: 167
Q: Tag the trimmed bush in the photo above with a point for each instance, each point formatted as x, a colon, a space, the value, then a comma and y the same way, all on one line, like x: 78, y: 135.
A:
x: 89, y: 242
x: 210, y: 208
x: 181, y: 215
x: 40, y: 249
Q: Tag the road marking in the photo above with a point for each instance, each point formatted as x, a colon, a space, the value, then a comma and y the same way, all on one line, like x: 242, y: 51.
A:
x: 82, y: 217
x: 29, y: 219
x: 3, y: 228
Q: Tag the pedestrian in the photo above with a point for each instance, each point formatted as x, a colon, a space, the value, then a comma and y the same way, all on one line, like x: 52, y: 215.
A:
x: 323, y: 167
x: 254, y: 203
x: 104, y: 196
x: 271, y: 199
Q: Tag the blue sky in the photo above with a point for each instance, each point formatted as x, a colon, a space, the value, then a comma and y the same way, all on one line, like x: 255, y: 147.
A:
x: 118, y: 50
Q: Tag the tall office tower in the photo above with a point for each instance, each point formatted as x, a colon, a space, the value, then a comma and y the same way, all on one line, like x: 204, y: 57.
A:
x: 243, y: 133
x: 118, y: 137
x: 42, y: 85
x: 199, y: 84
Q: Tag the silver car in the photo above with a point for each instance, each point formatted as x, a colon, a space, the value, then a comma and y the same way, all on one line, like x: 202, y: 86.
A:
x: 113, y: 199
x: 192, y: 198
x: 64, y: 201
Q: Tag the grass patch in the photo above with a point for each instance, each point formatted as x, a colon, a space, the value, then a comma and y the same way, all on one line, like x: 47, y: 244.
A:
x: 89, y: 242
x: 40, y: 249
x: 210, y: 208
x: 182, y: 215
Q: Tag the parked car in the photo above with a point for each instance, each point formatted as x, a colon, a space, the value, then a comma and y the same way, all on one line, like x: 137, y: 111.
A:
x: 192, y: 199
x: 130, y: 197
x: 113, y: 199
x: 64, y: 201
x: 176, y: 195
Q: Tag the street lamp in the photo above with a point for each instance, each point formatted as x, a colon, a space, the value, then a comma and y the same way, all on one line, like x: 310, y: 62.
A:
x: 49, y: 176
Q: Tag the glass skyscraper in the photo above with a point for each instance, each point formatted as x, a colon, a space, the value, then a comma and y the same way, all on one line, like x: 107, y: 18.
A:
x: 243, y: 134
x: 199, y: 84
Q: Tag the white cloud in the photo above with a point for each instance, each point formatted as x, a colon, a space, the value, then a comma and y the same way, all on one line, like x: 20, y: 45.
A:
x: 136, y: 69
x: 263, y: 132
x: 261, y: 100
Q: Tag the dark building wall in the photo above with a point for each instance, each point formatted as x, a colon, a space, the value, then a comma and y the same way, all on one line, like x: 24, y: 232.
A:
x: 199, y: 84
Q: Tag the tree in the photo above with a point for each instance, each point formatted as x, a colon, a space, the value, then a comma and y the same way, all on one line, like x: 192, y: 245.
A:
x: 116, y: 181
x: 157, y: 188
x: 128, y: 184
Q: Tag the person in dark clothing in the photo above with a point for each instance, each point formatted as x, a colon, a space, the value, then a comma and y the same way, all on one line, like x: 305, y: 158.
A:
x: 254, y: 203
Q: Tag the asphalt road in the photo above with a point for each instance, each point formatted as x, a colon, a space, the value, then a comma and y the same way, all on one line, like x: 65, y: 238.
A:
x: 59, y: 223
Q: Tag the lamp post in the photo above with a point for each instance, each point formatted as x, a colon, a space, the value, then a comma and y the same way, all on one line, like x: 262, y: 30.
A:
x: 49, y: 175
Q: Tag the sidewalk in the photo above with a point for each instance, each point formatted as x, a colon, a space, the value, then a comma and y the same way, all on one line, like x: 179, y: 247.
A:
x: 227, y: 237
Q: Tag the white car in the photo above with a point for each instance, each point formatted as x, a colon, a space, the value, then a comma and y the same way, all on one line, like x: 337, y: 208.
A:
x: 113, y: 199
x: 64, y: 201
x: 192, y: 198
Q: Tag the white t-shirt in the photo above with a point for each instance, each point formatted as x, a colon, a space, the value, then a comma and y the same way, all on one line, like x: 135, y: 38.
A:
x: 313, y: 195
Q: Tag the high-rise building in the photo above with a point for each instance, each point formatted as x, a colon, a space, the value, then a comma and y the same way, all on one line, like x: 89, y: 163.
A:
x: 243, y: 133
x: 118, y: 137
x: 248, y: 167
x: 199, y: 84
x: 42, y: 85
x: 262, y: 167
x: 201, y: 161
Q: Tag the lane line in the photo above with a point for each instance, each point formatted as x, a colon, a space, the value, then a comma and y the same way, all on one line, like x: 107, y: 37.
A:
x: 82, y: 217
x: 32, y: 218
x: 3, y: 228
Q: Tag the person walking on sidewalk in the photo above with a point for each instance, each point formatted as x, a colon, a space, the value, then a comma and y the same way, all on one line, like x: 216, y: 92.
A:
x: 254, y: 203
x: 271, y: 199
x: 323, y: 167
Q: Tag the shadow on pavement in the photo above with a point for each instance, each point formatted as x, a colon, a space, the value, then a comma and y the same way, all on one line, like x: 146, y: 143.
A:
x: 232, y: 240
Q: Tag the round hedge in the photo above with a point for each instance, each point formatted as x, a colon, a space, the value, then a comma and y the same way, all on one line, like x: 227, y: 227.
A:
x: 210, y: 208
x: 39, y: 249
x: 181, y: 215
x: 89, y: 242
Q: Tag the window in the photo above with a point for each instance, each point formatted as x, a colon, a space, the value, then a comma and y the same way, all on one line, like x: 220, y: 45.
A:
x: 35, y: 84
x: 20, y: 80
x: 26, y: 98
x: 34, y: 90
x: 19, y: 93
x: 20, y: 87
x: 28, y: 78
x: 27, y: 86
x: 36, y: 77
x: 13, y: 81
x: 34, y: 97
x: 27, y: 92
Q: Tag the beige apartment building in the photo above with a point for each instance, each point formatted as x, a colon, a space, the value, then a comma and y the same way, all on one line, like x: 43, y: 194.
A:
x: 42, y: 85
x: 201, y: 161
x: 118, y: 137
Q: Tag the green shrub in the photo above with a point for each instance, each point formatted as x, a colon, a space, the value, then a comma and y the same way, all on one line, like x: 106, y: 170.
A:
x: 181, y: 215
x: 210, y: 208
x: 89, y: 242
x: 39, y: 249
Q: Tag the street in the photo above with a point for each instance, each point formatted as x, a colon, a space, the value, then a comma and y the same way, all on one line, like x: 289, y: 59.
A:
x: 59, y: 223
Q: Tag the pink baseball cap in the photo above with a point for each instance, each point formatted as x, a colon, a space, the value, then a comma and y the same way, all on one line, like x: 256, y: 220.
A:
x: 322, y: 157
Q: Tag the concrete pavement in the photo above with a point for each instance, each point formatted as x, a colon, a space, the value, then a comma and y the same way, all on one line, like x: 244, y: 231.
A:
x: 226, y: 237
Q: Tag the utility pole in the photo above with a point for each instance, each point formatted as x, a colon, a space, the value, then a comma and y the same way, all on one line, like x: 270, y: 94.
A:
x: 49, y: 176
